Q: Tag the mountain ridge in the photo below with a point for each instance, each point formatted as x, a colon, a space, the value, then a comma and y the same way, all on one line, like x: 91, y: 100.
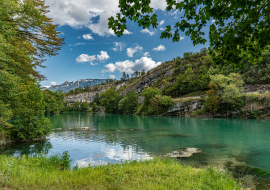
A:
x: 67, y: 86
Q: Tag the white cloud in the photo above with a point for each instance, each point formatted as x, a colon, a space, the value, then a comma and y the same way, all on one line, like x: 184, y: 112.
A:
x: 130, y: 66
x: 131, y: 51
x: 91, y: 58
x: 70, y: 49
x: 80, y: 13
x: 146, y: 31
x: 161, y: 22
x: 182, y: 37
x: 47, y: 86
x: 146, y: 54
x: 162, y: 28
x: 127, y: 32
x: 77, y: 44
x: 103, y: 56
x: 160, y: 48
x: 109, y: 68
x: 213, y: 21
x: 158, y: 4
x: 118, y: 46
x: 88, y: 37
x: 62, y: 33
x: 53, y: 83
x: 112, y: 77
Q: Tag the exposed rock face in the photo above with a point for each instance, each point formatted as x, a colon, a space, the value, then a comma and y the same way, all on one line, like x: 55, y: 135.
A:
x: 184, y: 108
x: 148, y: 80
x: 187, y: 108
x: 89, y: 96
x: 257, y: 88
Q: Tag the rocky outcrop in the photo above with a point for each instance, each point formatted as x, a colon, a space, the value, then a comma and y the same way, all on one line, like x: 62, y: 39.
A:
x: 184, y: 108
x: 257, y: 88
x: 149, y: 79
x: 89, y: 96
x: 250, y: 110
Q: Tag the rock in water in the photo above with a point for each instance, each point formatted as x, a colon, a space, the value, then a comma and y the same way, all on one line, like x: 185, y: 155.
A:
x: 186, y: 152
x: 57, y: 129
x: 79, y: 128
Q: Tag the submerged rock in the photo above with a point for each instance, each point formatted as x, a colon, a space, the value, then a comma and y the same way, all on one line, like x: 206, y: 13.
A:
x: 187, y: 152
x: 57, y: 129
x: 79, y: 128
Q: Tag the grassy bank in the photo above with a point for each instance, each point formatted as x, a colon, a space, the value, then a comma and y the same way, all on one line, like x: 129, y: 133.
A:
x: 52, y: 173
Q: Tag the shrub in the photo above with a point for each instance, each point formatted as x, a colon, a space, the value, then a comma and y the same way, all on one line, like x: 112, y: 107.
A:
x: 154, y: 103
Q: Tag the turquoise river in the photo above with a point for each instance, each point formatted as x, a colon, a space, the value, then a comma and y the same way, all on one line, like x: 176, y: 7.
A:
x: 114, y: 138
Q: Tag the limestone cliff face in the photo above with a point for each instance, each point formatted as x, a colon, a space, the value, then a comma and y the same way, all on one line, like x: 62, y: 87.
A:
x: 187, y: 108
x: 184, y: 108
x: 89, y: 96
x: 149, y: 79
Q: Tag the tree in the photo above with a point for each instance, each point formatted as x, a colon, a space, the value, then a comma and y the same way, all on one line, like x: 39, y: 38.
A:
x: 54, y: 101
x: 110, y: 100
x: 97, y: 99
x: 213, y: 100
x: 154, y: 103
x: 143, y: 72
x: 225, y: 91
x: 136, y: 73
x: 129, y: 103
x: 239, y: 26
x: 27, y: 35
x: 94, y: 106
x: 84, y: 106
x: 124, y: 76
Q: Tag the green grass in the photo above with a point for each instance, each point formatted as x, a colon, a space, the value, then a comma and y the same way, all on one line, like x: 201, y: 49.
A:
x: 48, y: 173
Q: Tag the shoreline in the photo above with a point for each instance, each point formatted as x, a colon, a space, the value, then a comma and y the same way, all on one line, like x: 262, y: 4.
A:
x: 46, y: 173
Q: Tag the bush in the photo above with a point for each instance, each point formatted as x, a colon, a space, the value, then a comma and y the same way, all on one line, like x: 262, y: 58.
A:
x: 110, y: 100
x: 154, y: 103
x: 129, y: 103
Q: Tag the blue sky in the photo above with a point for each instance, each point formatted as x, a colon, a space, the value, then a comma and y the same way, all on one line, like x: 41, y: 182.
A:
x: 91, y: 50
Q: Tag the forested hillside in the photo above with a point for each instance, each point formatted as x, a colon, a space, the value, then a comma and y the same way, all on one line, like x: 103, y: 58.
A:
x: 220, y: 86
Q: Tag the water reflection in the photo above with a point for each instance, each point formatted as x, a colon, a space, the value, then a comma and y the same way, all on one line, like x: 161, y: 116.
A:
x: 32, y: 148
x: 113, y: 138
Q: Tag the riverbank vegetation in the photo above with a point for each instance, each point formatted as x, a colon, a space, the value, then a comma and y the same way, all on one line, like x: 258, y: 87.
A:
x: 27, y: 36
x: 53, y: 173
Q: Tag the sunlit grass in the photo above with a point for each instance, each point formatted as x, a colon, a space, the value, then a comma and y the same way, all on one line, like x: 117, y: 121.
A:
x: 47, y: 173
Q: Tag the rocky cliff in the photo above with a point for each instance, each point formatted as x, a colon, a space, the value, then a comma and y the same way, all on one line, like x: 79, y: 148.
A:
x: 90, y: 95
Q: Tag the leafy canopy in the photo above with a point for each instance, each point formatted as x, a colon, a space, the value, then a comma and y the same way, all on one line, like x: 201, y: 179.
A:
x: 240, y: 26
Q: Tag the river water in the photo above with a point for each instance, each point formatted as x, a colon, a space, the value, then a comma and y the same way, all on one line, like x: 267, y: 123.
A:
x: 114, y: 138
